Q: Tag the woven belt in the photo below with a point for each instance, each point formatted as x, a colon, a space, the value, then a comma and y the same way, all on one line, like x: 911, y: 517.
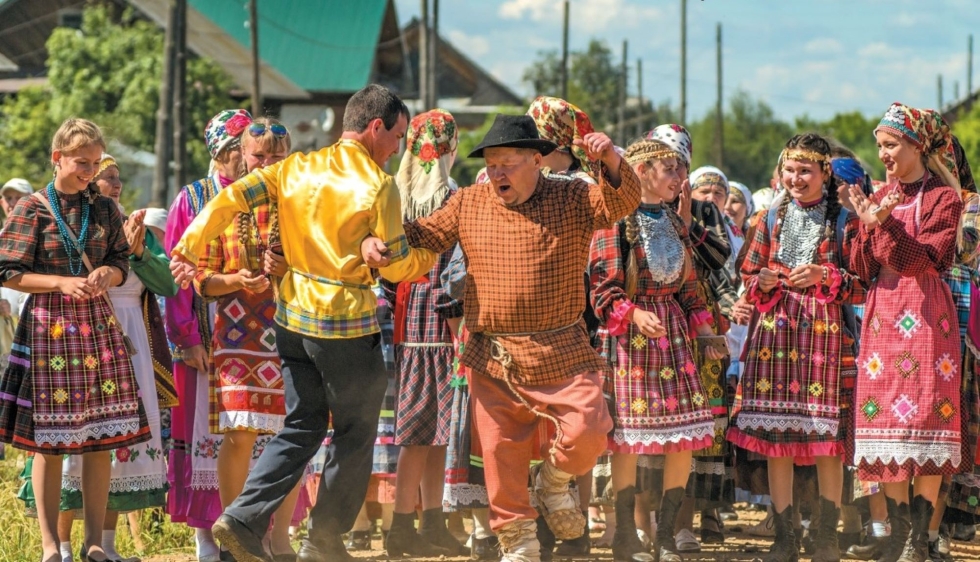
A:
x: 328, y: 281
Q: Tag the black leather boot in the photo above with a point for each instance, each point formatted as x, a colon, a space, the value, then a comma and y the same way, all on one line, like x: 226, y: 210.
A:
x: 433, y: 529
x: 898, y: 516
x: 784, y: 546
x: 664, y: 547
x: 917, y: 546
x: 826, y: 547
x: 626, y: 545
x: 546, y: 539
x: 404, y: 541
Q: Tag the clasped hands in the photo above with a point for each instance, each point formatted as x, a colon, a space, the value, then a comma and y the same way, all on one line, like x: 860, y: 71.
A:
x: 870, y: 214
x: 274, y: 263
x: 801, y: 277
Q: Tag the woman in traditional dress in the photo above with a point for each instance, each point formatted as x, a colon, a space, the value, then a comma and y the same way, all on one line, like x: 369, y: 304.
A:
x: 800, y: 349
x: 247, y: 398
x: 908, y: 426
x: 70, y: 387
x: 424, y: 351
x: 644, y: 288
x: 138, y: 479
x: 711, y: 485
x: 193, y: 468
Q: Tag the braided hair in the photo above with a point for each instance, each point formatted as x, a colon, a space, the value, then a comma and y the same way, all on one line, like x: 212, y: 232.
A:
x: 817, y: 146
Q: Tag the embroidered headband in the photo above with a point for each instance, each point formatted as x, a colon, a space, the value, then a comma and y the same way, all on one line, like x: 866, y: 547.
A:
x: 106, y: 163
x: 708, y: 175
x: 652, y: 150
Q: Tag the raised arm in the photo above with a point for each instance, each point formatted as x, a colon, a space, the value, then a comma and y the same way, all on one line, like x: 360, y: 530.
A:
x: 153, y: 267
x: 933, y: 246
x: 611, y: 200
x: 257, y: 188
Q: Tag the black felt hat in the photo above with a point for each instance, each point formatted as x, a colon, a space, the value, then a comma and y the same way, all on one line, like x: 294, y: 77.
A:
x: 513, y: 131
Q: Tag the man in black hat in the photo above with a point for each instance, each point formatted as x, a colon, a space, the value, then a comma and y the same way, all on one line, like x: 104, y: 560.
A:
x: 526, y: 240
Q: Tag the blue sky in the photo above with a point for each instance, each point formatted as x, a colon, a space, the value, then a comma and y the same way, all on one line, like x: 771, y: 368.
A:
x: 817, y: 57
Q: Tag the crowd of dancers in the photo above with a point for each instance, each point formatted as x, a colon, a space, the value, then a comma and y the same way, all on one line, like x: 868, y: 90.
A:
x: 588, y: 333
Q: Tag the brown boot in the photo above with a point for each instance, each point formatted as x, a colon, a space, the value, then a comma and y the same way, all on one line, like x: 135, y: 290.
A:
x: 665, y: 548
x: 784, y: 547
x: 917, y: 545
x: 898, y: 516
x: 403, y: 541
x: 626, y: 544
x: 826, y: 547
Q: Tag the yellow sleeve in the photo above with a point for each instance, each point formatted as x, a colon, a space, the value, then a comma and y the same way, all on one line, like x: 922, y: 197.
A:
x: 257, y: 188
x: 407, y: 264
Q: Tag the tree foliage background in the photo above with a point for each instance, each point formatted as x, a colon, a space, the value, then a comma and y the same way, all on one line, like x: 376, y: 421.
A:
x: 109, y: 72
x: 753, y: 135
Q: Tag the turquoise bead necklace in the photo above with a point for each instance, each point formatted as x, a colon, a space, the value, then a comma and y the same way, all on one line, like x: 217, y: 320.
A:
x: 74, y: 251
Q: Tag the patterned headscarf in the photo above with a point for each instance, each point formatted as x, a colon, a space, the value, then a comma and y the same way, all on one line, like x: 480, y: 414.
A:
x: 677, y: 138
x: 224, y: 128
x: 925, y: 129
x: 708, y: 175
x: 423, y: 175
x: 562, y: 122
x: 963, y: 165
x: 107, y: 162
x: 746, y: 193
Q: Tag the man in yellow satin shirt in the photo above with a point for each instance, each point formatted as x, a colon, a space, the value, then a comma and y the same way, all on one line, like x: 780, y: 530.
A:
x: 327, y: 333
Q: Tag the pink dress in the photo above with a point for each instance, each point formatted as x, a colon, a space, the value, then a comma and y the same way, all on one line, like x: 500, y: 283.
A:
x: 192, y: 470
x: 907, y: 405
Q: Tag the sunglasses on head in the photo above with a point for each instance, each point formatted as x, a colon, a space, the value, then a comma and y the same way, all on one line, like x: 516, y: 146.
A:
x: 258, y: 129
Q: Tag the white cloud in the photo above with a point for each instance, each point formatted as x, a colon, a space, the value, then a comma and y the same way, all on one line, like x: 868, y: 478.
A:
x: 591, y: 16
x: 472, y: 45
x: 537, y: 10
x: 905, y: 19
x: 823, y: 46
x: 879, y: 50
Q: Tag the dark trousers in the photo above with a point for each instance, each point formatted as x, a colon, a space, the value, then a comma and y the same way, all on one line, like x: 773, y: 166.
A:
x: 344, y: 378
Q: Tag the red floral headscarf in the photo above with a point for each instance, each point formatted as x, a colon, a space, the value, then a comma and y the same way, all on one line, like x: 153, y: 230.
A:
x: 423, y: 175
x: 562, y: 122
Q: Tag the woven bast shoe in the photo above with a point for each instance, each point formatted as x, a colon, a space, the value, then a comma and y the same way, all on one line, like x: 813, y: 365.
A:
x: 557, y: 503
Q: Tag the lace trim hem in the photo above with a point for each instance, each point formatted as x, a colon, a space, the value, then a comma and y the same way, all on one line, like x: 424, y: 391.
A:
x: 125, y: 484
x: 95, y: 432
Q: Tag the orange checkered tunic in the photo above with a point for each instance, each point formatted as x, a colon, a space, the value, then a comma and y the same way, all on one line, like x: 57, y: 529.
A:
x: 524, y: 270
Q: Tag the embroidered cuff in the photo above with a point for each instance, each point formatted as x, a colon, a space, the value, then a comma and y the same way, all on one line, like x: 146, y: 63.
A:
x: 827, y: 292
x: 764, y: 302
x: 398, y: 247
x: 618, y: 322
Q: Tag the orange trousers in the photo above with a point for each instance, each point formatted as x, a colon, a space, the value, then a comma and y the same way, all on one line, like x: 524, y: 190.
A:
x: 507, y: 433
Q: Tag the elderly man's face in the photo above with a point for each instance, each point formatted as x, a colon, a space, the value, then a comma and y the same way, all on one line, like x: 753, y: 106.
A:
x: 513, y: 172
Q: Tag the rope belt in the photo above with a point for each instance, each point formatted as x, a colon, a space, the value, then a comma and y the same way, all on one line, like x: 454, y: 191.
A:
x: 329, y: 281
x: 500, y: 354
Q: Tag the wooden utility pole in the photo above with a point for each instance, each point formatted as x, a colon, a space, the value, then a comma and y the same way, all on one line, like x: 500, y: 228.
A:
x: 683, y: 61
x: 639, y: 94
x: 939, y: 91
x: 719, y: 107
x: 564, y: 55
x: 180, y: 96
x: 433, y: 59
x: 621, y: 127
x: 158, y: 195
x: 956, y: 90
x: 969, y: 67
x: 253, y: 30
x: 424, y: 57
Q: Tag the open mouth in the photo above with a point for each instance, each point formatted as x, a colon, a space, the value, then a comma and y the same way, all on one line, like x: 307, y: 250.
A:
x: 503, y: 188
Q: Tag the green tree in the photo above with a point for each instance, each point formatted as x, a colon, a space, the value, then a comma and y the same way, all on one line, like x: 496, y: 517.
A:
x: 754, y: 137
x: 967, y: 130
x: 109, y: 72
x: 593, y: 81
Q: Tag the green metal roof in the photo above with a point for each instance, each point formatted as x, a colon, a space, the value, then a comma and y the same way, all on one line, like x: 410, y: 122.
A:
x: 320, y: 45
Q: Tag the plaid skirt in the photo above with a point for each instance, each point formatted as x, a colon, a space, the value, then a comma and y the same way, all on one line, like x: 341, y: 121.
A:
x: 659, y: 403
x: 423, y: 403
x: 964, y: 490
x: 69, y: 387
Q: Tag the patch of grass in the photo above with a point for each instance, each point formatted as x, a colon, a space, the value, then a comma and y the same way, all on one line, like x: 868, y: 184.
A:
x: 21, y: 537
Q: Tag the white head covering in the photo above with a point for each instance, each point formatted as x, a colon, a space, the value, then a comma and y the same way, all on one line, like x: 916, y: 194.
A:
x: 675, y: 137
x: 747, y: 194
x: 156, y: 217
x: 18, y: 184
x: 763, y: 199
